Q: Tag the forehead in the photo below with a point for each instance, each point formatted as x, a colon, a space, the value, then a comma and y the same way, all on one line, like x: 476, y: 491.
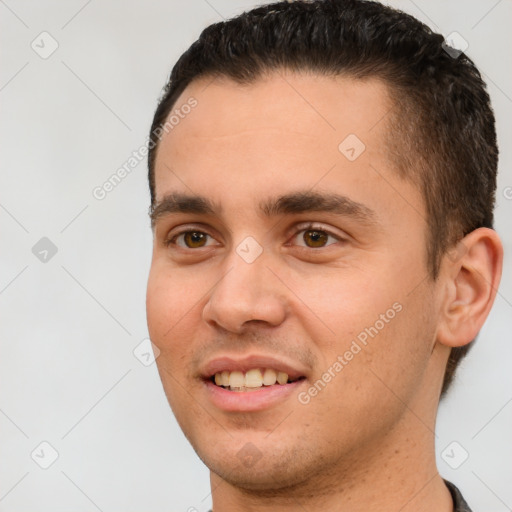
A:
x: 283, y: 132
x: 303, y: 104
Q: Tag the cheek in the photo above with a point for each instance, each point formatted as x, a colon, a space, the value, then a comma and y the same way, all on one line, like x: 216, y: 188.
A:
x: 168, y: 310
x: 170, y: 299
x: 381, y: 332
x: 364, y: 388
x: 158, y: 309
x: 342, y: 303
x: 174, y: 302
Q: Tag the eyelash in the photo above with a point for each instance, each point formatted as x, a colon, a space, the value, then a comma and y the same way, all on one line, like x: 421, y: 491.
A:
x: 309, y: 227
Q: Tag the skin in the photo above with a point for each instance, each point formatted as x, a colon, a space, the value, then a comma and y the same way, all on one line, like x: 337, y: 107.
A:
x: 365, y: 442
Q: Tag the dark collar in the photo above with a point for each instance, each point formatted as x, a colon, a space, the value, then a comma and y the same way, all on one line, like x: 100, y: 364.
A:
x: 459, y: 503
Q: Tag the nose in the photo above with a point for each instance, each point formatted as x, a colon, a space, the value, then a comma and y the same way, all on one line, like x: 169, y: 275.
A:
x: 246, y: 293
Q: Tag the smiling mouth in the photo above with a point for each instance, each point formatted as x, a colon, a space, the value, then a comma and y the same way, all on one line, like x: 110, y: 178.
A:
x: 252, y: 380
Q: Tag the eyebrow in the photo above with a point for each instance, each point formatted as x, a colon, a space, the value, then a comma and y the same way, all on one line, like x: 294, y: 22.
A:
x: 293, y: 203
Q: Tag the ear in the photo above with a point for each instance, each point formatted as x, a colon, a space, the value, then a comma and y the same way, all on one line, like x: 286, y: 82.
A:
x: 470, y: 277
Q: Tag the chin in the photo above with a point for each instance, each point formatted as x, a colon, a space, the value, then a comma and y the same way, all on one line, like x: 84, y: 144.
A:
x: 273, y: 468
x: 262, y: 478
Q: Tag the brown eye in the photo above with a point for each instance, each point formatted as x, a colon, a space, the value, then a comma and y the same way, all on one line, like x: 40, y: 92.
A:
x: 315, y: 238
x: 194, y: 239
x: 190, y: 240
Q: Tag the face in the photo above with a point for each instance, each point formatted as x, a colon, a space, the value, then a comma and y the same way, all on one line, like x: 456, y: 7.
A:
x: 306, y: 257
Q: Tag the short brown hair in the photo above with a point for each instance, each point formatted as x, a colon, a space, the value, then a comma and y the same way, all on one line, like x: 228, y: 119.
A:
x: 442, y: 131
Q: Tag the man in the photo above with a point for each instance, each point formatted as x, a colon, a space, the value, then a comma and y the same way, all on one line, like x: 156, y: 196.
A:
x: 322, y: 181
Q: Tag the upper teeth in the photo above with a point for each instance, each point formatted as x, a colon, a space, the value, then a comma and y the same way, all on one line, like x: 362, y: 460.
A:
x: 254, y: 378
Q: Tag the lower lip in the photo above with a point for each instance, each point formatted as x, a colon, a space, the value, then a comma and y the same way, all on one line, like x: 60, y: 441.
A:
x: 248, y: 401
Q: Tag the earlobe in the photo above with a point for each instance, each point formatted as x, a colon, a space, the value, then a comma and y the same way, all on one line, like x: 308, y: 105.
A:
x: 471, y: 275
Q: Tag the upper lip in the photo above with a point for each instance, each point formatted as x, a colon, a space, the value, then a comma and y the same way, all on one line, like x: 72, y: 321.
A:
x: 244, y: 364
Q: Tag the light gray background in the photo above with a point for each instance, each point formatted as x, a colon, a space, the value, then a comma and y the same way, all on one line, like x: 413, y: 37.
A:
x: 68, y: 328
